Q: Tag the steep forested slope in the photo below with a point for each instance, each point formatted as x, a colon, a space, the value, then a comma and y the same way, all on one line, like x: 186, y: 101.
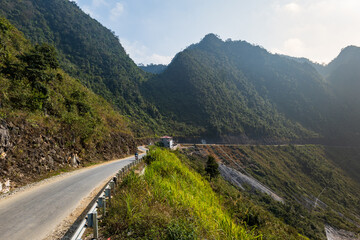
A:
x: 237, y: 88
x: 87, y: 51
x: 343, y: 75
x: 48, y: 120
x: 316, y: 191
x: 213, y: 88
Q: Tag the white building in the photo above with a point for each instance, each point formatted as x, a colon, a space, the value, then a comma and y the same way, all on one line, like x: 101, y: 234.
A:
x: 167, y: 141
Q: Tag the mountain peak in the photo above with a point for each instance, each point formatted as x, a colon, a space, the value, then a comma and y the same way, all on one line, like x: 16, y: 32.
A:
x: 349, y: 52
x: 211, y: 36
x: 211, y: 39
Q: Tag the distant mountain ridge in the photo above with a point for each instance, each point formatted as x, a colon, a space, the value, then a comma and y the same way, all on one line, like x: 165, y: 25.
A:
x: 232, y: 87
x: 215, y: 89
x: 235, y: 88
x: 153, y: 68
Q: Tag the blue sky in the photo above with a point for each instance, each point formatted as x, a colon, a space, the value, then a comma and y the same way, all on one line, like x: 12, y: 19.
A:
x: 153, y: 31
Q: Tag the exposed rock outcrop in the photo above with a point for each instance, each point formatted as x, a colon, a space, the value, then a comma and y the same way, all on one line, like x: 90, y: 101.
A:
x: 5, y: 187
x: 237, y: 178
x: 31, y: 150
x: 335, y: 234
x: 4, y: 138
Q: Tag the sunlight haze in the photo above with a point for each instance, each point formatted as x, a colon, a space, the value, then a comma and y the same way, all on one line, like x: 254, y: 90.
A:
x: 154, y: 31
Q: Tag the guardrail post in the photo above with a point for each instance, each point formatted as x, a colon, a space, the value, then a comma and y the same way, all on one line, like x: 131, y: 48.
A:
x: 112, y: 185
x: 89, y: 221
x: 100, y: 202
x: 95, y: 225
x: 115, y: 179
x: 108, y: 194
x: 103, y: 199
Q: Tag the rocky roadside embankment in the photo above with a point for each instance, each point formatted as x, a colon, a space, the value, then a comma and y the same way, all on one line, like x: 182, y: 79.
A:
x: 30, y: 152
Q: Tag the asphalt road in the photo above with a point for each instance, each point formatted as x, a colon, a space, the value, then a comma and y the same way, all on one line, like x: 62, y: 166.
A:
x: 35, y: 213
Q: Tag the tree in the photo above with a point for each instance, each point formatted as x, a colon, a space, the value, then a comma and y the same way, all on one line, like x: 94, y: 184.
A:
x: 212, y: 167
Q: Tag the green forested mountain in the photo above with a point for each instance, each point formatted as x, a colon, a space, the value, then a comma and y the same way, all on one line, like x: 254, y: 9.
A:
x: 218, y: 90
x: 88, y: 51
x: 343, y: 74
x: 236, y: 88
x: 213, y: 88
x: 48, y: 117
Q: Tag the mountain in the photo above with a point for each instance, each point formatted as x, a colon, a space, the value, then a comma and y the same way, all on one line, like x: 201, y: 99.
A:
x: 235, y: 88
x: 87, y: 51
x: 49, y: 121
x: 348, y: 56
x: 343, y: 73
x: 192, y: 207
x: 153, y: 68
x: 321, y: 68
x: 316, y: 183
x: 219, y: 90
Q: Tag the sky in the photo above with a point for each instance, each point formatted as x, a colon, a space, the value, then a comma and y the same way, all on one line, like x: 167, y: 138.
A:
x: 153, y: 31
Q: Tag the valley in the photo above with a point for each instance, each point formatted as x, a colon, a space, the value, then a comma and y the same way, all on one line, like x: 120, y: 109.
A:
x: 284, y: 131
x: 306, y: 177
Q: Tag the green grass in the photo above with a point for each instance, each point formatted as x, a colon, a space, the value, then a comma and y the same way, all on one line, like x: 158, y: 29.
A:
x: 170, y: 202
x: 245, y: 208
x: 299, y: 174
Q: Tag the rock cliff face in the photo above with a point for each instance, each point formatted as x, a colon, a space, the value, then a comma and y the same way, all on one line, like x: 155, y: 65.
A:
x: 30, y: 151
x: 4, y: 139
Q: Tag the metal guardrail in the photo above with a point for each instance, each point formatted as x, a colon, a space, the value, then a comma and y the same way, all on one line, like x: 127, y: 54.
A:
x: 91, y: 219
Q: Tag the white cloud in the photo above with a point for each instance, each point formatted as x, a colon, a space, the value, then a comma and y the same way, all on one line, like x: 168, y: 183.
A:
x: 294, y: 46
x: 116, y: 11
x: 142, y: 54
x: 315, y: 29
x: 158, y: 59
x: 292, y: 7
x: 88, y: 10
x: 98, y: 3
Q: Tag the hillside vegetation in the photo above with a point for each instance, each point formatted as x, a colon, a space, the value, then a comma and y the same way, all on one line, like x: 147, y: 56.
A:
x: 47, y: 117
x: 234, y: 88
x: 224, y: 91
x: 88, y: 51
x: 300, y: 175
x: 173, y: 201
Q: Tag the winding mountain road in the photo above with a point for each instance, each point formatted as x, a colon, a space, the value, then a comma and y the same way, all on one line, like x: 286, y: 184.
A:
x: 34, y: 213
